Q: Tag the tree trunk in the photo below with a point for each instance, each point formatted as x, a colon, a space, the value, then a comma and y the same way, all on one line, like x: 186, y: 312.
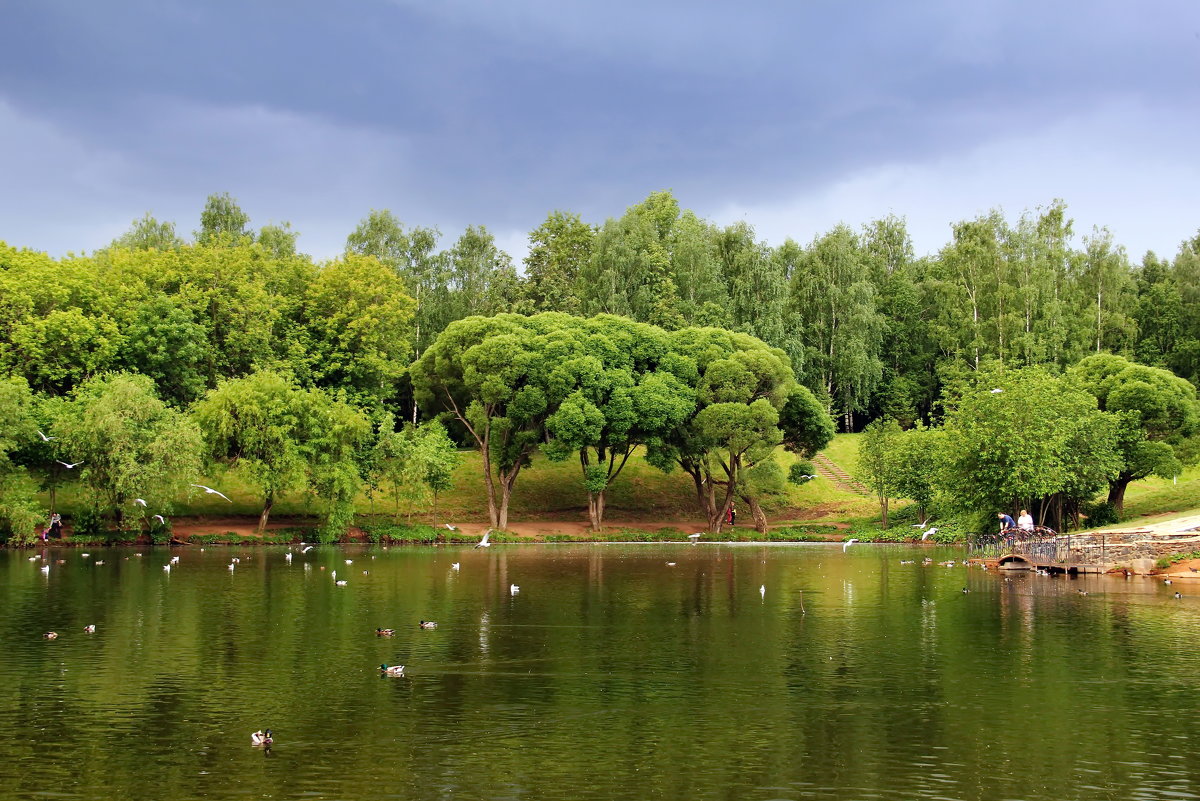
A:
x: 596, y: 510
x: 1116, y: 493
x: 883, y: 508
x: 268, y: 502
x: 756, y: 512
x: 494, y: 512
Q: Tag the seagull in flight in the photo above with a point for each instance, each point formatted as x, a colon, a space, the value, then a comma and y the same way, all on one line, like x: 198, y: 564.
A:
x: 139, y: 501
x: 306, y: 549
x: 44, y: 437
x: 996, y: 391
x: 483, y: 543
x: 929, y: 533
x: 161, y: 519
x: 847, y: 544
x: 210, y: 491
x: 694, y: 538
x: 68, y: 466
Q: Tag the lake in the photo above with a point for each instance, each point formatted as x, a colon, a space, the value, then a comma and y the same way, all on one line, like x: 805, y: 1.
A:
x: 738, y: 672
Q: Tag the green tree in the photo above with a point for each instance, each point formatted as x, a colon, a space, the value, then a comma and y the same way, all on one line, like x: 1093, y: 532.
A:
x: 1039, y: 444
x: 489, y: 373
x: 418, y: 461
x: 610, y: 395
x: 19, y: 510
x: 1157, y: 410
x: 262, y: 423
x: 558, y: 250
x: 878, y: 459
x: 129, y: 444
x: 222, y: 221
x: 359, y: 322
x: 148, y: 233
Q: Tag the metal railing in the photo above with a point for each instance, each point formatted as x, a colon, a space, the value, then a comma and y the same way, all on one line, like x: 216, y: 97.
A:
x: 1041, y: 543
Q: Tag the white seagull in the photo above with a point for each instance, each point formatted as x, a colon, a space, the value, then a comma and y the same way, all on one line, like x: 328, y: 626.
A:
x: 44, y: 437
x: 928, y: 534
x: 513, y: 589
x: 920, y: 525
x: 167, y: 568
x: 161, y: 519
x: 483, y: 543
x: 68, y: 466
x: 174, y: 560
x: 694, y: 538
x: 763, y: 590
x: 447, y: 525
x: 288, y: 556
x: 454, y: 565
x: 139, y: 501
x: 996, y: 391
x: 210, y: 491
x: 46, y: 569
x: 847, y: 544
x: 306, y: 549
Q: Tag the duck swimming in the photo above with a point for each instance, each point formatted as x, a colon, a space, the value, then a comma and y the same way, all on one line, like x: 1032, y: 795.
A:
x: 50, y: 635
x: 394, y: 670
x: 261, y: 738
x: 428, y: 624
x: 384, y: 632
x: 89, y: 629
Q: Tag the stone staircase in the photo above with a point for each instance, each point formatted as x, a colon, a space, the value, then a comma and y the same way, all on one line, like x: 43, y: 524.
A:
x: 840, y: 478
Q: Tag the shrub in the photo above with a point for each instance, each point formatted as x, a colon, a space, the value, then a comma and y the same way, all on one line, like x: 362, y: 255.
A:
x: 1100, y: 514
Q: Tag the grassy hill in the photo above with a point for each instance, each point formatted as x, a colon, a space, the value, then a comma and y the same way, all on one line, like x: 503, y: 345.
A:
x: 552, y: 491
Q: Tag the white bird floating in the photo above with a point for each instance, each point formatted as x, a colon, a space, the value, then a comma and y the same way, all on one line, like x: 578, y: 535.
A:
x: 763, y: 590
x: 44, y: 437
x: 694, y: 537
x: 139, y: 501
x: 210, y: 491
x: 85, y: 555
x: 928, y: 534
x: 306, y: 549
x: 349, y: 561
x: 454, y: 566
x: 670, y: 564
x: 513, y: 589
x: 46, y: 569
x: 847, y: 544
x: 232, y: 566
x: 483, y: 543
x: 68, y: 466
x: 341, y: 583
x: 34, y: 558
x: 167, y: 568
x: 174, y: 560
x: 288, y: 556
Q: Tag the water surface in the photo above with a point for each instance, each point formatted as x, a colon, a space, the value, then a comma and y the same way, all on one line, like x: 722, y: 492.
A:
x: 739, y: 672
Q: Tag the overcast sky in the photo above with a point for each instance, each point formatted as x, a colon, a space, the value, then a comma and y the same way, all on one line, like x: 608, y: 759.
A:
x: 793, y: 115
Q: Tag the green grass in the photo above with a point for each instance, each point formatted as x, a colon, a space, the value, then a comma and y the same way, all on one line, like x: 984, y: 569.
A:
x: 546, y: 490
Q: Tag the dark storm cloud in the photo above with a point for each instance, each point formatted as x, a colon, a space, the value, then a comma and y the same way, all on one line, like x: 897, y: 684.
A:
x: 453, y: 112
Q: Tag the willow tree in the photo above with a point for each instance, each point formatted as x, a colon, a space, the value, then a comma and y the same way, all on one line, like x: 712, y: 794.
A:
x: 128, y: 444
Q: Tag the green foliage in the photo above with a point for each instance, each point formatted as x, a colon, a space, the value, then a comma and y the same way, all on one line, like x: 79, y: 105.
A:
x: 1166, y: 561
x: 1100, y: 514
x: 129, y: 444
x: 801, y: 472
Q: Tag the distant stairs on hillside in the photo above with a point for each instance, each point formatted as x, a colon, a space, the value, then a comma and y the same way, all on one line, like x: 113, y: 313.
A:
x: 838, y: 476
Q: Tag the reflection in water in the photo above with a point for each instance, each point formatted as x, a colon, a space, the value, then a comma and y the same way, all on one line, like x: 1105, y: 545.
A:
x: 624, y: 671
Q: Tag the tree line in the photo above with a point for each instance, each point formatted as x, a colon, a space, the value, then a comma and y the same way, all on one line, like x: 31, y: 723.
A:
x: 870, y: 329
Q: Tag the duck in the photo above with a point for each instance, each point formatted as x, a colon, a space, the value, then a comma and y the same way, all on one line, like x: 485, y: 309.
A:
x: 384, y: 632
x: 965, y: 590
x: 340, y: 583
x: 906, y: 561
x: 50, y: 635
x: 89, y: 629
x: 98, y: 562
x: 428, y: 624
x: 1167, y: 581
x: 261, y: 738
x: 1179, y: 595
x: 393, y: 670
x: 513, y: 589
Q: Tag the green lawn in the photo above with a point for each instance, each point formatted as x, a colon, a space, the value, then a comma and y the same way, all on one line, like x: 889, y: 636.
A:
x: 545, y: 490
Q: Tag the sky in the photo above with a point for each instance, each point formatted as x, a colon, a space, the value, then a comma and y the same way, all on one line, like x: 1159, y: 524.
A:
x: 793, y: 116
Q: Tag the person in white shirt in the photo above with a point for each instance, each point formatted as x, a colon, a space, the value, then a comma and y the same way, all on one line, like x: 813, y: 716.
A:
x: 1025, y: 521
